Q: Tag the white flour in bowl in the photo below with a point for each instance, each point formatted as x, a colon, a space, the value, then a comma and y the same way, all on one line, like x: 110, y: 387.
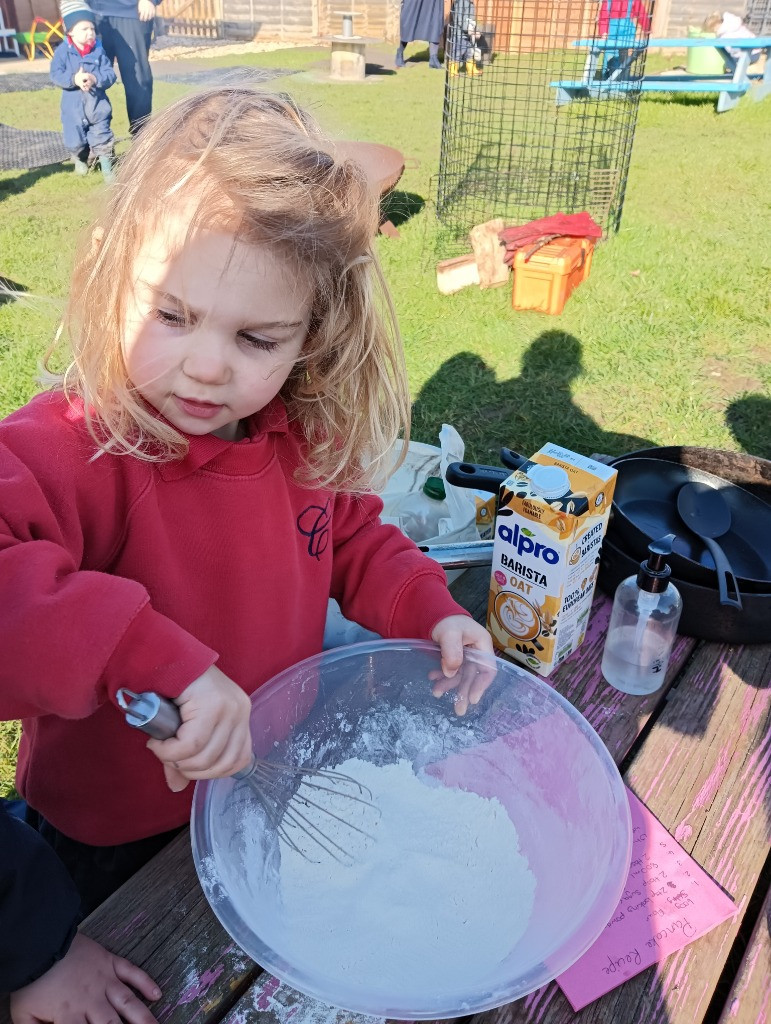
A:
x: 432, y: 903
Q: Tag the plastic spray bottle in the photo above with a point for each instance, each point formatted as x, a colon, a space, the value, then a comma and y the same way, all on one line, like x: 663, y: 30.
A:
x: 643, y: 625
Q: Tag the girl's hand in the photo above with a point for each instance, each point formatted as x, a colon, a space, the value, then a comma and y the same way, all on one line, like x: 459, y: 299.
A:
x: 146, y: 10
x: 213, y: 740
x: 470, y: 679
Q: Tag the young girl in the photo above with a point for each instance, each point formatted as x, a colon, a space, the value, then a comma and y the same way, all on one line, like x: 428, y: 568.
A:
x: 175, y: 516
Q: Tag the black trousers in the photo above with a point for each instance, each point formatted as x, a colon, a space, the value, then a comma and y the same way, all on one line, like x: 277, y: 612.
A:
x: 127, y: 40
x: 98, y: 871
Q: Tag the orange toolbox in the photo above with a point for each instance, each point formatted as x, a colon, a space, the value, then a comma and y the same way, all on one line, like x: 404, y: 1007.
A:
x: 545, y: 281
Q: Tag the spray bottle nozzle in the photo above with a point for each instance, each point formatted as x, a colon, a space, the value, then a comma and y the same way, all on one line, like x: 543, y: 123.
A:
x: 654, y: 573
x: 658, y: 551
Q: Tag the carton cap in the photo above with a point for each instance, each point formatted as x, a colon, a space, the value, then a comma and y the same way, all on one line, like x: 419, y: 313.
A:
x: 548, y: 481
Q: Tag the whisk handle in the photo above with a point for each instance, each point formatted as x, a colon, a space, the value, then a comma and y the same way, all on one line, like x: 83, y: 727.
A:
x: 157, y: 716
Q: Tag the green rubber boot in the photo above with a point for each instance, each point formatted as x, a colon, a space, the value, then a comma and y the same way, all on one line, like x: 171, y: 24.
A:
x: 105, y: 163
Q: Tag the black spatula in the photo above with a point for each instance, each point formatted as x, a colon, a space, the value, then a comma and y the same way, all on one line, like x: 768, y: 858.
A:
x: 704, y: 511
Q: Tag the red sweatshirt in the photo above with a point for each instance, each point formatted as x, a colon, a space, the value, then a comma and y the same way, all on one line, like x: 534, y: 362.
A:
x: 117, y: 572
x: 620, y: 9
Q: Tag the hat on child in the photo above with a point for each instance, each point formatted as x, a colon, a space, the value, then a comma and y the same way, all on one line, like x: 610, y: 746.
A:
x: 73, y: 11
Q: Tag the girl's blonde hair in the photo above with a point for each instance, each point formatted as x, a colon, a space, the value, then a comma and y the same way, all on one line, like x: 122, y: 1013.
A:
x: 255, y: 163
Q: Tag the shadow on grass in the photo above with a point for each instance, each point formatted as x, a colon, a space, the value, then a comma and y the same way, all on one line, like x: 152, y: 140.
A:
x: 399, y: 207
x: 378, y: 69
x: 21, y: 182
x: 522, y: 413
x: 687, y: 99
x: 749, y: 420
x: 422, y: 56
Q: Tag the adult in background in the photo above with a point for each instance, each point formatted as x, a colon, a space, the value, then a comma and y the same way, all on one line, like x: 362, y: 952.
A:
x: 126, y: 28
x: 421, y: 19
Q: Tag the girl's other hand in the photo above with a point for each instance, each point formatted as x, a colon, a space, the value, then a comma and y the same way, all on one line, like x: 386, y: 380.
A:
x: 146, y: 10
x: 213, y: 740
x: 470, y: 679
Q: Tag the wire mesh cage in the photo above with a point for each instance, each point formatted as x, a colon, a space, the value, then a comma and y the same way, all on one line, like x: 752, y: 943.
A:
x: 540, y: 108
x: 758, y: 17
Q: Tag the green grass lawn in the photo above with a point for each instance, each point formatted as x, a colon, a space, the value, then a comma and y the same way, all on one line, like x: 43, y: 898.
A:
x: 667, y: 342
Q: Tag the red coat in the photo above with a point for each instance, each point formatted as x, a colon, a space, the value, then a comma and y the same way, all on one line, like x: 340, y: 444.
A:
x: 620, y: 9
x: 117, y: 572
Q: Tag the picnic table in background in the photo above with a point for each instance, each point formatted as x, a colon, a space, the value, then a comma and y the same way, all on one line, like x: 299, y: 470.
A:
x: 697, y: 753
x: 730, y: 86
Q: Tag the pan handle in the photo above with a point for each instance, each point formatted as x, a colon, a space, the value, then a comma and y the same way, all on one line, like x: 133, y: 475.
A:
x: 725, y: 575
x: 512, y: 459
x: 479, y: 478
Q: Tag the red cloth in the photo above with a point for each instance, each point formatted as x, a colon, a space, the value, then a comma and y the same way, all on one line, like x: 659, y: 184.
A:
x: 618, y: 9
x: 538, y: 232
x: 117, y: 572
x: 82, y: 50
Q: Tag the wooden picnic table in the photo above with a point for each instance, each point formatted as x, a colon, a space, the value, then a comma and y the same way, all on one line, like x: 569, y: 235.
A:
x: 697, y: 753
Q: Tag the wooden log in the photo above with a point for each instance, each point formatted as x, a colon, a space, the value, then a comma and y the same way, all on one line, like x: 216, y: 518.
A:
x: 456, y: 273
x: 489, y: 253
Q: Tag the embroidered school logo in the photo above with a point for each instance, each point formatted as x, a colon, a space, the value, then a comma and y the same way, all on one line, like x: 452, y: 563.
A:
x: 313, y: 523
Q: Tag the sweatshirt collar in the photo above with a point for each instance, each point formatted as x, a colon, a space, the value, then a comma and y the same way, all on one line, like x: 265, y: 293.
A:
x: 231, y: 458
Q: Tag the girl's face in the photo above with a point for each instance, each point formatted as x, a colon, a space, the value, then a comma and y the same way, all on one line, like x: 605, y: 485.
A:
x: 213, y: 330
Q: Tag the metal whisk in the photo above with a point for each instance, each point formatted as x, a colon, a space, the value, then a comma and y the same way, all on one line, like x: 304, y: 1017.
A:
x: 288, y: 794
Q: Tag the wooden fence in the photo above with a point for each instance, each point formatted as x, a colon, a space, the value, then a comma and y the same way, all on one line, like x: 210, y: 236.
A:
x: 193, y: 18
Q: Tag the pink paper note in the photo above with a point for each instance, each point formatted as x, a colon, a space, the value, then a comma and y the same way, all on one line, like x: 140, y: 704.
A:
x: 668, y: 901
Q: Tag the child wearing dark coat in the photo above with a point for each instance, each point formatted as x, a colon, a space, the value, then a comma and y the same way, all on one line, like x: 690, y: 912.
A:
x: 83, y: 72
x: 52, y: 972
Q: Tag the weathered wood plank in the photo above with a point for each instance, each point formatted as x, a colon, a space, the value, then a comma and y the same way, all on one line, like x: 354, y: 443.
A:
x: 198, y: 966
x: 703, y: 770
x: 749, y: 1001
x: 269, y: 1001
x: 713, y: 801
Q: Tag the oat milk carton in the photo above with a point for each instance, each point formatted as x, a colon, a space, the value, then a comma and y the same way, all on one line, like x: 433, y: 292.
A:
x: 552, y: 515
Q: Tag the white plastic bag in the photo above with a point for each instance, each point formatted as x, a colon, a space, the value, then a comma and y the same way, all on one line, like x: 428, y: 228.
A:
x: 422, y: 461
x: 459, y: 524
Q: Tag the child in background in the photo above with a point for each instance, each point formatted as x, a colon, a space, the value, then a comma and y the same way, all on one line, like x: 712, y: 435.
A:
x: 726, y: 25
x: 199, y: 484
x: 51, y: 972
x: 80, y: 68
x: 618, y: 21
x: 462, y: 39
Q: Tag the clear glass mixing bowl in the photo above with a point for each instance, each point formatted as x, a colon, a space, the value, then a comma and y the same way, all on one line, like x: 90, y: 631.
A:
x: 522, y: 743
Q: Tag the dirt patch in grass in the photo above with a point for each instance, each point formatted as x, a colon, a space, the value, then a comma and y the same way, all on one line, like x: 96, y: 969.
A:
x: 729, y: 381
